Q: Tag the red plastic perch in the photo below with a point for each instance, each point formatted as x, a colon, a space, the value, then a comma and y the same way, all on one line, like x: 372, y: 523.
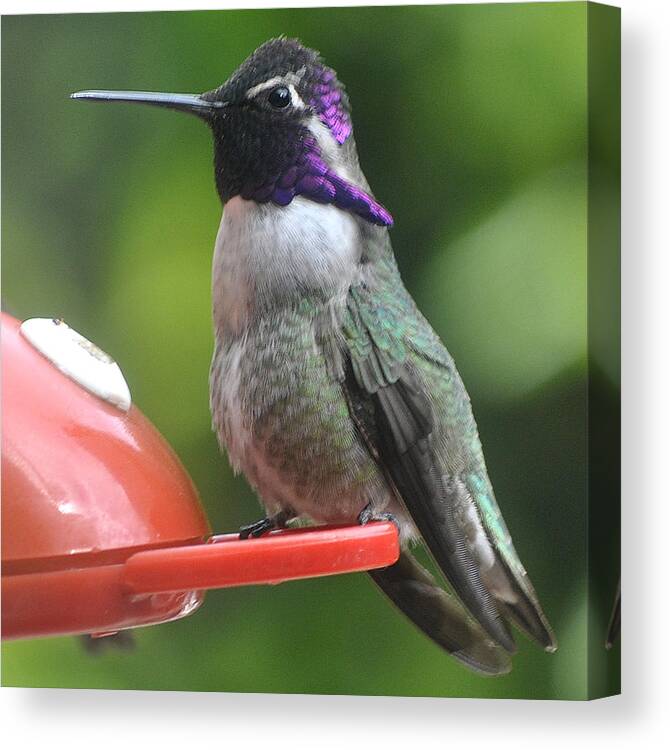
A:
x: 102, y: 528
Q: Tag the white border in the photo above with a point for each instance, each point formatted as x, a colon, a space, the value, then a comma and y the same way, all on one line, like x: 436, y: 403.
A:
x: 113, y: 719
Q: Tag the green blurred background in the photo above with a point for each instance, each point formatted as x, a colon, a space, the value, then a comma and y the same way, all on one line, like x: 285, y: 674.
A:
x: 471, y: 122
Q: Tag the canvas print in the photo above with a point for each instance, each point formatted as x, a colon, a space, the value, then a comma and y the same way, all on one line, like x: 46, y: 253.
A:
x: 316, y: 389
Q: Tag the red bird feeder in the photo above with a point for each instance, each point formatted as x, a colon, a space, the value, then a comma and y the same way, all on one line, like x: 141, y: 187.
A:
x: 102, y: 528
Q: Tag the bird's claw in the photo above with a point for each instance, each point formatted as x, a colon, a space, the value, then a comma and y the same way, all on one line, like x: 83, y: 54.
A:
x: 368, y: 515
x: 257, y: 529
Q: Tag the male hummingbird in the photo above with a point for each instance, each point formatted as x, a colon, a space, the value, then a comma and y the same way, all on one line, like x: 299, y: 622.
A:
x: 328, y: 387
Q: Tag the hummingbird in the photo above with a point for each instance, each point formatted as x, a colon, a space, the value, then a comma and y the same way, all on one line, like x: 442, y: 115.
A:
x: 329, y: 389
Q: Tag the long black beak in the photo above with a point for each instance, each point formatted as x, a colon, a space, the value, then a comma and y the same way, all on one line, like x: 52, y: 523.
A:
x: 183, y: 102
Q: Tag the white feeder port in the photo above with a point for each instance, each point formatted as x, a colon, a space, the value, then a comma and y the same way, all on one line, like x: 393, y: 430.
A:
x: 79, y: 359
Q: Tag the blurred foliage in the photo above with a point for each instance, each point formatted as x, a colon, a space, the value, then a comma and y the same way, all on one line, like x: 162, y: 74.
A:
x: 471, y: 125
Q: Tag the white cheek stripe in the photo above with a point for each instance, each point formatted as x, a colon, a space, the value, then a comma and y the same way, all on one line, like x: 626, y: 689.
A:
x: 289, y: 80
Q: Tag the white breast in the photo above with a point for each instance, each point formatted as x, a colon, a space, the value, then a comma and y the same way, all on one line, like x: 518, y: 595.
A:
x: 265, y: 254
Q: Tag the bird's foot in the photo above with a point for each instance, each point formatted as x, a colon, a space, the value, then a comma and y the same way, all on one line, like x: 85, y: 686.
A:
x: 256, y: 530
x: 368, y: 514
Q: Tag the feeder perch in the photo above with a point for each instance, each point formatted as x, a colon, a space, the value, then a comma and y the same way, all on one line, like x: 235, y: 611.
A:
x: 102, y: 528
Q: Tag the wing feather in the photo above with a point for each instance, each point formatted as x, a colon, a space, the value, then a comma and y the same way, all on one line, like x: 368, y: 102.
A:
x: 402, y: 388
x: 403, y: 430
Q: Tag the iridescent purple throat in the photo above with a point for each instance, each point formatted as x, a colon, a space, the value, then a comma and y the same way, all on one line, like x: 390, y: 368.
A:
x: 311, y: 177
x: 327, y: 101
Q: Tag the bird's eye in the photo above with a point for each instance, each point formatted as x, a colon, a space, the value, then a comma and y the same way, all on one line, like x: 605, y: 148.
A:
x: 280, y: 97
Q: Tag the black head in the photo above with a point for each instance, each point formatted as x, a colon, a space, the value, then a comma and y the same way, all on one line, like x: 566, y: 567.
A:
x: 287, y: 82
x: 282, y: 128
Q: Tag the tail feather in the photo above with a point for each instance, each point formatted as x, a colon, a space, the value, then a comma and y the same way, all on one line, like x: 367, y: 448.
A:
x: 526, y: 619
x: 440, y: 616
x: 526, y: 612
